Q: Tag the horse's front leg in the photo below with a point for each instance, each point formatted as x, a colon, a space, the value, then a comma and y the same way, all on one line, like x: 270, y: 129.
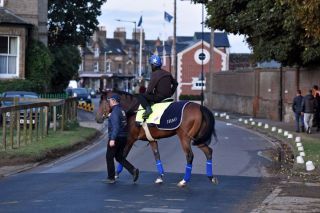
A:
x: 155, y: 150
x: 189, y: 156
x: 126, y: 151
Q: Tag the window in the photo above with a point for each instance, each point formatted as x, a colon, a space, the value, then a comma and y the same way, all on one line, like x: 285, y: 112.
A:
x: 108, y: 66
x: 96, y: 52
x: 1, y: 3
x: 8, y: 56
x: 120, y: 68
x: 96, y: 67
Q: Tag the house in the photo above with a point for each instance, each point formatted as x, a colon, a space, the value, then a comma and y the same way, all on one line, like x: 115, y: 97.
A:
x: 114, y: 62
x: 189, y: 64
x: 20, y: 21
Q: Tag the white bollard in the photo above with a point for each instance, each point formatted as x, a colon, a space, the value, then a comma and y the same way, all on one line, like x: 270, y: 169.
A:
x: 216, y: 114
x: 309, y: 166
x: 285, y: 133
x: 253, y: 123
x: 302, y: 154
x: 221, y: 115
x: 250, y: 119
x: 273, y: 129
x: 246, y: 121
x: 299, y: 144
x: 300, y: 159
x: 260, y: 124
x: 227, y: 117
x: 298, y: 139
x: 290, y: 136
x: 266, y: 126
x: 240, y: 120
x: 279, y: 131
x: 300, y: 149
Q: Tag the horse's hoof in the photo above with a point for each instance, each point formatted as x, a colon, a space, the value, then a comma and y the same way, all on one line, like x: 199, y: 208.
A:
x: 116, y: 176
x: 159, y: 180
x: 182, y: 184
x: 214, y: 180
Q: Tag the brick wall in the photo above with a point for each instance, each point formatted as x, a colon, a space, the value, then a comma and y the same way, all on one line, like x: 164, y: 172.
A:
x: 257, y: 92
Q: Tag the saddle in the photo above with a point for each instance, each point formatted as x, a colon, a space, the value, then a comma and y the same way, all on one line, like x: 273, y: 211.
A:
x: 165, y: 115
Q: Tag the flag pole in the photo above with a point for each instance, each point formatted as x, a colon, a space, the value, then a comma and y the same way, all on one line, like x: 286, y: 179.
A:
x: 140, y: 52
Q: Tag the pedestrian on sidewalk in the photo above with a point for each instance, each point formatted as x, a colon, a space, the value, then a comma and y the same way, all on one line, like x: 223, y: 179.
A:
x: 316, y: 94
x: 117, y: 132
x: 297, y: 109
x: 308, y: 110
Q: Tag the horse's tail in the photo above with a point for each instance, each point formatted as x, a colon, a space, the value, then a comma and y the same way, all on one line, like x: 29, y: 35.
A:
x: 207, y: 128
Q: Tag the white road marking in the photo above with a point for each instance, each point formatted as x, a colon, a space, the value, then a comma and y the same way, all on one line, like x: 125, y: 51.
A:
x: 161, y: 210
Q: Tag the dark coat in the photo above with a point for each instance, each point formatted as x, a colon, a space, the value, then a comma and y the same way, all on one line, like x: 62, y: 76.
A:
x: 117, y: 123
x: 309, y: 104
x: 162, y: 84
x: 297, y: 104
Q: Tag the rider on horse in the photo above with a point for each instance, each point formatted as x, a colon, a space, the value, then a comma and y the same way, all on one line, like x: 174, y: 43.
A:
x: 162, y: 85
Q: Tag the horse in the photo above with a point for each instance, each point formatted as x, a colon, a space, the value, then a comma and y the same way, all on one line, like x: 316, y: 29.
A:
x: 197, y: 126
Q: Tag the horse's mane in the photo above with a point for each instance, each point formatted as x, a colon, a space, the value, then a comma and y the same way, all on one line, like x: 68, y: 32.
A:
x: 131, y: 111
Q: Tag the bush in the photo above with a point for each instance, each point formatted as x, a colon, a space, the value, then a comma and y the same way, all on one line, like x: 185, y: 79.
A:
x: 190, y: 97
x: 17, y: 85
x: 38, y: 64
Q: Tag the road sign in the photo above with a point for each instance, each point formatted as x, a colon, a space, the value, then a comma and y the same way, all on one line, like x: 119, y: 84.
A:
x: 202, y: 56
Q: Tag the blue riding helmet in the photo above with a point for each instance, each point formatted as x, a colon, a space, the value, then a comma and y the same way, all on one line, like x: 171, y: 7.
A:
x: 155, y: 60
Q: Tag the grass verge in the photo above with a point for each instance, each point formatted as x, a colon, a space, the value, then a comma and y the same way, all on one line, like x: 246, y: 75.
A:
x: 53, y: 146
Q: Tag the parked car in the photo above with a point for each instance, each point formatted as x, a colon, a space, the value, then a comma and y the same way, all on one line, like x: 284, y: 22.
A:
x: 19, y: 94
x: 81, y: 94
x: 92, y: 92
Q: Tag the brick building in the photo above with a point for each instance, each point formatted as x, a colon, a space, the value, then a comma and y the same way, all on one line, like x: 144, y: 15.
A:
x: 20, y: 20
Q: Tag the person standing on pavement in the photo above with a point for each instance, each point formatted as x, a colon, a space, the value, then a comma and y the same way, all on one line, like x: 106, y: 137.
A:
x: 316, y: 94
x: 308, y: 109
x: 297, y: 109
x: 117, y: 133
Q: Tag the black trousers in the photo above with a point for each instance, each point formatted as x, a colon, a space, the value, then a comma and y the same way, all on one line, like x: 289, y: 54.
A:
x: 117, y: 153
x: 147, y: 99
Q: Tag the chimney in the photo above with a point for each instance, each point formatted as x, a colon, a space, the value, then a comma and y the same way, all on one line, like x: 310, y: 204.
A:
x: 100, y: 34
x: 120, y: 34
x: 138, y: 36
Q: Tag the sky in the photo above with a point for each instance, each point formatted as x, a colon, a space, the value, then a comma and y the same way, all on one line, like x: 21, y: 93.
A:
x: 189, y: 18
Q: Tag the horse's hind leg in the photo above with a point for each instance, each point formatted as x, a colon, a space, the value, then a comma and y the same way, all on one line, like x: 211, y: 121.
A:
x: 155, y: 150
x: 208, y: 153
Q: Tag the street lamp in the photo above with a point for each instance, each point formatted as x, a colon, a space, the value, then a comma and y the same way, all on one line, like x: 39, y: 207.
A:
x: 135, y: 42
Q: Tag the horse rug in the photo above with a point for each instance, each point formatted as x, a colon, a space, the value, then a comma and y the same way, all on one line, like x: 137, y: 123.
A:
x: 166, y: 115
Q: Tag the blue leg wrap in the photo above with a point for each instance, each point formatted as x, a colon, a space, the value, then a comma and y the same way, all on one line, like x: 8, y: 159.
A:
x: 187, y: 175
x: 209, y: 168
x: 159, y: 167
x: 119, y: 168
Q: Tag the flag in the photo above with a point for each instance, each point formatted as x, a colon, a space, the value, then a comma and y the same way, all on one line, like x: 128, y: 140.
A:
x: 167, y: 17
x: 140, y: 21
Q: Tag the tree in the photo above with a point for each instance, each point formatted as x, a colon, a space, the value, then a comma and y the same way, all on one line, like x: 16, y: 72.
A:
x: 38, y: 62
x: 72, y: 21
x: 271, y: 29
x: 65, y: 66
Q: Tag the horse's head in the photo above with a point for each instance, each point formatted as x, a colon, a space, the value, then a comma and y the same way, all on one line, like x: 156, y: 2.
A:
x: 104, y: 108
x: 127, y: 101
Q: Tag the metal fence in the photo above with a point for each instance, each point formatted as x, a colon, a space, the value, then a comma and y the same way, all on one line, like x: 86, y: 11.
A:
x: 23, y: 124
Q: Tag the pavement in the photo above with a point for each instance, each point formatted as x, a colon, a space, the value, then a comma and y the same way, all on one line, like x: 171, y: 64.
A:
x: 286, y: 195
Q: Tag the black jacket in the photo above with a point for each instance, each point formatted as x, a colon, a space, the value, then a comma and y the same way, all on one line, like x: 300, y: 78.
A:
x: 297, y: 104
x: 309, y: 104
x: 162, y: 84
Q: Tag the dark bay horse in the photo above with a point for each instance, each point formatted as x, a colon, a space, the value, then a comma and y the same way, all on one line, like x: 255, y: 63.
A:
x: 197, y: 126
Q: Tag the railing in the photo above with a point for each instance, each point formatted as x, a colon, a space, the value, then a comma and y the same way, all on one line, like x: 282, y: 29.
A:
x: 28, y: 123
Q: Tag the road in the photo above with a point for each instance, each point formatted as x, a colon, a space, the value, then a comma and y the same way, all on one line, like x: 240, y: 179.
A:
x: 74, y: 183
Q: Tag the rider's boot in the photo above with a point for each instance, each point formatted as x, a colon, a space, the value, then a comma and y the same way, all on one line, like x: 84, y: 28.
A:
x: 147, y: 113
